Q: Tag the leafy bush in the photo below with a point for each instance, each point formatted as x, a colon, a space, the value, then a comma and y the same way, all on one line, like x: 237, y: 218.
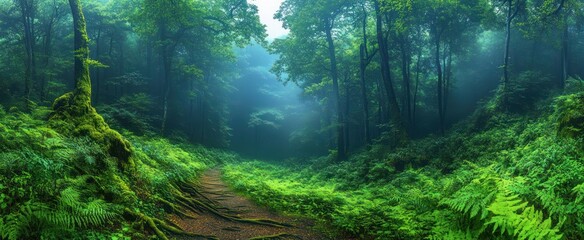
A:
x: 570, y: 114
x: 523, y: 92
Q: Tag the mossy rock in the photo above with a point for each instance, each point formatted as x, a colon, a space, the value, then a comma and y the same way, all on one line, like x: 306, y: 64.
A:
x: 570, y: 115
x: 71, y: 118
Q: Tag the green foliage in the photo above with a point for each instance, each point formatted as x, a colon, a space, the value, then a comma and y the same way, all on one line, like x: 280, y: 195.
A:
x: 54, y: 186
x: 267, y: 117
x: 524, y: 91
x: 130, y: 112
x: 570, y: 114
x: 512, y: 216
x: 574, y: 85
x: 512, y: 178
x: 473, y: 199
x: 39, y: 219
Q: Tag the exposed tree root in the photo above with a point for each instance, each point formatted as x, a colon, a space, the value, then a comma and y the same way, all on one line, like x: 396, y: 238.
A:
x: 156, y: 225
x: 232, y: 229
x: 192, y: 190
x: 205, y: 204
x: 175, y: 209
x: 187, y: 198
x: 276, y: 236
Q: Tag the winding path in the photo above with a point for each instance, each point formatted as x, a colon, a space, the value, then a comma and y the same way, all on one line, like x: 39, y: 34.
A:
x: 212, y: 187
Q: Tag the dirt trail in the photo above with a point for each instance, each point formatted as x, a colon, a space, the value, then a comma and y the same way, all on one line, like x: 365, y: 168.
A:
x: 228, y: 202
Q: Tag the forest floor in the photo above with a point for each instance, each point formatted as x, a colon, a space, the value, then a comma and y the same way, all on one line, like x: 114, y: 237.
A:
x: 229, y: 202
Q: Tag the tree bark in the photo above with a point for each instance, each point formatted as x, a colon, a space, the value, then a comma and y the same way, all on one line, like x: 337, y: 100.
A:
x: 341, y: 151
x: 97, y: 71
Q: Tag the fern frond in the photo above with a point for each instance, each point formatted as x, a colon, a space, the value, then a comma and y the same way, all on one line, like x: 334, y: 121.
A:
x: 512, y: 216
x: 17, y: 223
x: 473, y: 199
x: 579, y: 191
x: 73, y: 212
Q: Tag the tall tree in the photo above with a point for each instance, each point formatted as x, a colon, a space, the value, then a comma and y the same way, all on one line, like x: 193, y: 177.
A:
x: 365, y: 58
x: 320, y: 20
x: 75, y: 107
x: 512, y: 8
x: 27, y: 10
x: 51, y: 14
x: 173, y: 23
x: 449, y: 22
x: 394, y: 111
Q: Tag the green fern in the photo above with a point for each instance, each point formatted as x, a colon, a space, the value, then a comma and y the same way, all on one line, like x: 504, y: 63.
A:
x: 474, y: 198
x: 512, y: 216
x: 72, y: 212
x: 34, y: 218
x: 579, y: 191
x: 18, y: 224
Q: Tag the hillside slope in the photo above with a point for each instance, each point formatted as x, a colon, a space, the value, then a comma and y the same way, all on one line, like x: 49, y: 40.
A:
x: 496, y: 176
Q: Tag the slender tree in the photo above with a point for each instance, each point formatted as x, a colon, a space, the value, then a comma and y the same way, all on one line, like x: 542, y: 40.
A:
x: 319, y: 21
x: 365, y: 58
x: 27, y: 10
x: 512, y: 9
x: 394, y: 111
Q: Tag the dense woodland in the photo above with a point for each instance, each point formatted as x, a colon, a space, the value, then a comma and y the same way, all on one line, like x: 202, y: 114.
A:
x: 374, y: 119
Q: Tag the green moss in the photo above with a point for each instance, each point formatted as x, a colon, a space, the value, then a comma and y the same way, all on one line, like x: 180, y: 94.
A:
x: 76, y: 119
x: 40, y: 161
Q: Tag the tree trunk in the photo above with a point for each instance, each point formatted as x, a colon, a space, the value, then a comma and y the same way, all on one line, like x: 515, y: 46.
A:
x: 97, y: 70
x: 506, y: 55
x: 395, y: 117
x: 415, y: 100
x: 347, y: 109
x: 406, y: 97
x: 75, y: 107
x: 440, y: 83
x: 336, y: 95
x: 27, y: 18
x: 166, y: 65
x: 364, y: 61
x: 82, y: 93
x: 362, y: 69
x: 565, y: 52
x: 447, y: 82
x: 47, y: 51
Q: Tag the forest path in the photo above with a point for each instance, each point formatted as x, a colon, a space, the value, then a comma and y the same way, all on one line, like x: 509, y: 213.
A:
x: 226, y: 201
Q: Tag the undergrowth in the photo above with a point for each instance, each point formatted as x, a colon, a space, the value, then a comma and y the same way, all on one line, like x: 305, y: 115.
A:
x: 54, y: 186
x: 497, y: 176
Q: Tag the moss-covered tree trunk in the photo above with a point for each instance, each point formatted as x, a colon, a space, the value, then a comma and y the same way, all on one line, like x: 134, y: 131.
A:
x: 73, y: 113
x: 82, y: 93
